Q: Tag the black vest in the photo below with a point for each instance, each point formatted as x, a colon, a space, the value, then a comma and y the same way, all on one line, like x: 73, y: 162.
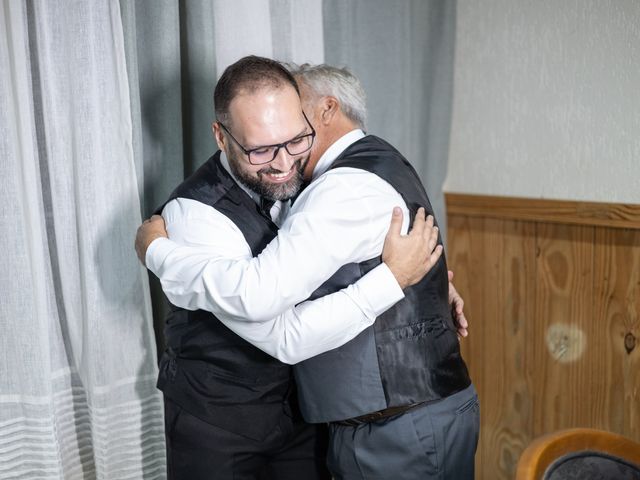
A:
x: 411, y: 354
x: 207, y: 369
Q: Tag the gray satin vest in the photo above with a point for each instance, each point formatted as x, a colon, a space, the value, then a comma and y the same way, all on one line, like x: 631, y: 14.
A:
x: 411, y: 354
x: 207, y: 369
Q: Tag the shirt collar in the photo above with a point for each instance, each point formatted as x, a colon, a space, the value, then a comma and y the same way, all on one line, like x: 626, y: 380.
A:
x: 335, y: 150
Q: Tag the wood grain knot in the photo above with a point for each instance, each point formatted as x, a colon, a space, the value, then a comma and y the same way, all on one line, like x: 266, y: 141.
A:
x: 629, y: 342
x: 566, y: 343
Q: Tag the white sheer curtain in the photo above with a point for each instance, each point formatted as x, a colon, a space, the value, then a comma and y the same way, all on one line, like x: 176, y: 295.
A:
x: 104, y: 107
x: 402, y: 51
x: 287, y: 30
x: 77, y: 358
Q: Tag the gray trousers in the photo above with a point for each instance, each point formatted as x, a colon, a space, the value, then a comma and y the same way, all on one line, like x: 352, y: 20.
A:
x: 434, y: 441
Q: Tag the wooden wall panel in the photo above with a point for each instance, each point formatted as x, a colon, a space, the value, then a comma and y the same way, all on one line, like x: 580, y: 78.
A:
x: 465, y: 255
x: 551, y: 299
x: 564, y: 336
x: 493, y: 266
x: 617, y: 308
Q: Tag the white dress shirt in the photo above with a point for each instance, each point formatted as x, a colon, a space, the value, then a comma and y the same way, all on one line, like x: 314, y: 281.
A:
x: 341, y: 217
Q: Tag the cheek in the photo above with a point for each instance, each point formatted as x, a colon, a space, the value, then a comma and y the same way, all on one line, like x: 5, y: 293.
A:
x: 316, y: 151
x: 257, y: 170
x: 308, y: 170
x: 242, y: 164
x: 314, y: 155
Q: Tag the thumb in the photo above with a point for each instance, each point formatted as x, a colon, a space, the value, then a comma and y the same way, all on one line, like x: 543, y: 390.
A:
x: 396, y: 222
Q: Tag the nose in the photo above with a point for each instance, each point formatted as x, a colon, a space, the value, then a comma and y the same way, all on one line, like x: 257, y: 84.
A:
x: 283, y: 160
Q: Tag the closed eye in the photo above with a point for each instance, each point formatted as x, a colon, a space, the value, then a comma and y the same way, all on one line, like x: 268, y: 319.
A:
x: 297, y: 141
x: 262, y: 151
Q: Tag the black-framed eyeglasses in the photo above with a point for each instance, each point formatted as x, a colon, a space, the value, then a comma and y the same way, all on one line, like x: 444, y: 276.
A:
x: 268, y: 153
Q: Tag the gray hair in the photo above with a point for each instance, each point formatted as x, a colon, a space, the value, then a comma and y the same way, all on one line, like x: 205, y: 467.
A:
x: 324, y: 80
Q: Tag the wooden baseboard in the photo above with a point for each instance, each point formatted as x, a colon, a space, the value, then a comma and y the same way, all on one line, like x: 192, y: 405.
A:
x: 616, y: 215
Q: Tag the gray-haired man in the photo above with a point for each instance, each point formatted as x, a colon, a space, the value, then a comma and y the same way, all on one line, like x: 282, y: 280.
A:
x: 398, y: 397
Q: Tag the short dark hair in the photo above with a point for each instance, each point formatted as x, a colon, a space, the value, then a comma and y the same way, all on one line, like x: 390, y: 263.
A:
x: 250, y: 73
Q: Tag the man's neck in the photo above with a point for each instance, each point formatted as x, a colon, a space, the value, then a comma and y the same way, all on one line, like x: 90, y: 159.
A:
x: 340, y: 127
x: 335, y: 149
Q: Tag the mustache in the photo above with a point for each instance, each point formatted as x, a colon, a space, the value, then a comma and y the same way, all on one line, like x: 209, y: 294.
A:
x: 297, y: 164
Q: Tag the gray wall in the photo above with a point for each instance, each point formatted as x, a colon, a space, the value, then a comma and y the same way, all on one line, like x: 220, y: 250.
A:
x: 546, y: 100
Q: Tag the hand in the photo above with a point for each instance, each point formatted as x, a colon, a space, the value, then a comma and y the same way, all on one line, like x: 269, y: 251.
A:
x: 410, y: 257
x: 457, y: 305
x: 150, y: 229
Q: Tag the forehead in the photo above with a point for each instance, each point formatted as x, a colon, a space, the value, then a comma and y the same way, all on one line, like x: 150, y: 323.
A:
x: 266, y: 116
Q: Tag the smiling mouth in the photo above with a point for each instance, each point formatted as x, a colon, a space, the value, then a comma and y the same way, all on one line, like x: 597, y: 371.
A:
x: 281, y: 176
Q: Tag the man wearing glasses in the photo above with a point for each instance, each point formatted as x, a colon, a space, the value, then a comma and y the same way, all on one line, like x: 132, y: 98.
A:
x: 230, y: 407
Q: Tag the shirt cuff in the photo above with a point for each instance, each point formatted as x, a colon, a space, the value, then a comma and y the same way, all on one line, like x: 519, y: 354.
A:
x: 157, y: 252
x: 380, y: 289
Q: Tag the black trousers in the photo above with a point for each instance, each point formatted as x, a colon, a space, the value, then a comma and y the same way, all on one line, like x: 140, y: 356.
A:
x: 197, y: 450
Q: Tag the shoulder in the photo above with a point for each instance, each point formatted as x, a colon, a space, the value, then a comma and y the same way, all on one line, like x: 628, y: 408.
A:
x: 182, y: 208
x: 349, y: 181
x: 189, y: 211
x: 346, y: 189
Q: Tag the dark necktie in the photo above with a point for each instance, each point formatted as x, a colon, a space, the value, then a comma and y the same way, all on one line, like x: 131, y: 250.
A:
x: 265, y: 206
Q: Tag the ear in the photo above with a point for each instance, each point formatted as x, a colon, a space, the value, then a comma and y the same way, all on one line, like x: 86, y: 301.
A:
x: 329, y: 107
x: 217, y: 133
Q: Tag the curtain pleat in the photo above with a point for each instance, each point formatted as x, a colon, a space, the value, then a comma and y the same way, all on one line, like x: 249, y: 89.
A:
x: 78, y: 397
x: 403, y: 53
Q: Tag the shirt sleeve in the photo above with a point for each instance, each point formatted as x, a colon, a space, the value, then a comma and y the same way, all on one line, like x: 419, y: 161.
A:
x: 341, y: 218
x: 314, y: 327
x: 203, y: 237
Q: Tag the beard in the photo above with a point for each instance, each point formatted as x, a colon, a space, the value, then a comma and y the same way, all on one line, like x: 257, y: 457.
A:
x: 265, y: 188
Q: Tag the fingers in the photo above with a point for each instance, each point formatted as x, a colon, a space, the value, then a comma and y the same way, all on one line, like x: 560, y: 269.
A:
x: 457, y: 309
x: 139, y: 247
x: 151, y: 229
x: 430, y: 237
x: 154, y: 218
x: 450, y: 273
x: 419, y: 223
x: 422, y: 223
x: 459, y: 305
x: 410, y: 257
x: 431, y: 233
x: 434, y: 257
x: 396, y: 222
x: 456, y: 301
x: 458, y: 312
x: 425, y: 226
x: 462, y: 321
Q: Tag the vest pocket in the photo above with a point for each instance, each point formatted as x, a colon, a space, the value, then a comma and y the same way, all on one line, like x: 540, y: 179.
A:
x: 431, y: 327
